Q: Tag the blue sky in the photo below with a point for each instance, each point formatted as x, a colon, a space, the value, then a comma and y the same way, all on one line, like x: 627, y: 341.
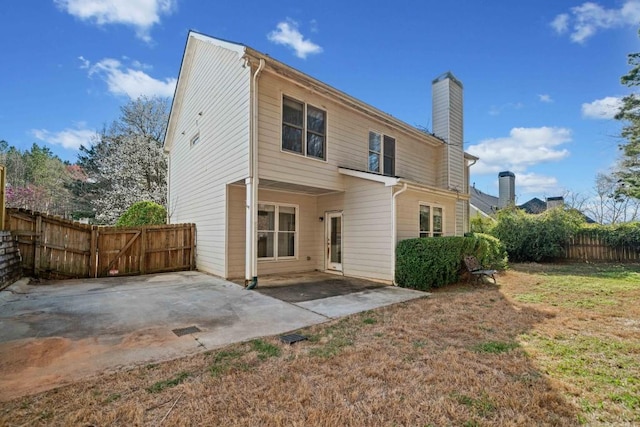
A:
x: 541, y: 77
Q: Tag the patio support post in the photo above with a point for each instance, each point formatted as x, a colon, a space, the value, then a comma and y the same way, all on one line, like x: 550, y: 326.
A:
x: 251, y: 224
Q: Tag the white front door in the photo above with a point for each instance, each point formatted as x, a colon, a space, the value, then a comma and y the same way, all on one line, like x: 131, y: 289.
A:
x: 334, y: 241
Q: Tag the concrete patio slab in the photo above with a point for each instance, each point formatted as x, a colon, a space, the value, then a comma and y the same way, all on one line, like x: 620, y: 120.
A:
x: 357, y: 302
x: 58, y: 332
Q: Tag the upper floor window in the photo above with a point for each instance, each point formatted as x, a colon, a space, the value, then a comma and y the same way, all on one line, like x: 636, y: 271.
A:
x: 430, y: 221
x: 303, y: 129
x: 382, y: 154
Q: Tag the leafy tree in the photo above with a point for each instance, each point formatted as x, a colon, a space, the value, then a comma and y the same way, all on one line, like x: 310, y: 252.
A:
x: 126, y: 163
x: 143, y: 213
x: 629, y: 173
x: 36, y: 180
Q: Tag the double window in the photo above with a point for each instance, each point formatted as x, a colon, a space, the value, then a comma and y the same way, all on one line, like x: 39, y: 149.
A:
x: 277, y: 231
x: 382, y: 154
x: 304, y: 129
x: 430, y: 221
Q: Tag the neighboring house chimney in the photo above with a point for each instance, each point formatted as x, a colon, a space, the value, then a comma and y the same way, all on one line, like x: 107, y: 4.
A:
x: 506, y: 189
x: 447, y: 122
x: 554, y: 202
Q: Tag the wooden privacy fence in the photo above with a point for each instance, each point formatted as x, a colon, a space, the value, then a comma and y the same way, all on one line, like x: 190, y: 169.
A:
x: 55, y: 248
x: 588, y: 247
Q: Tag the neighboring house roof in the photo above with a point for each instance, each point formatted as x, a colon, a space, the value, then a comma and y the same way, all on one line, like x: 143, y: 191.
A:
x: 534, y: 206
x: 483, y: 202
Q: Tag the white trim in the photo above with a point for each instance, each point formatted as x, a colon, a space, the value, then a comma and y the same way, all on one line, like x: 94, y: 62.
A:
x: 388, y: 181
x: 238, y: 48
x: 433, y: 205
x: 327, y: 230
x: 296, y: 249
x: 305, y: 104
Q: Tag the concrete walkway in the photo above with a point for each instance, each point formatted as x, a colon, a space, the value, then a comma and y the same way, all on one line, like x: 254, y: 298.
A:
x: 62, y: 331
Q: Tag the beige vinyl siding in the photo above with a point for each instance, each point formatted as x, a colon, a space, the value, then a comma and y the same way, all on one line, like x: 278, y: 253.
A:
x: 347, y: 141
x: 217, y: 85
x: 367, y: 229
x: 308, y: 226
x: 408, y: 213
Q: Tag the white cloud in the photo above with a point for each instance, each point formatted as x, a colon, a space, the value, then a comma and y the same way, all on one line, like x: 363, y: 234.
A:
x: 523, y: 148
x: 585, y: 20
x: 496, y: 110
x: 528, y: 183
x: 605, y: 108
x: 545, y: 98
x: 85, y: 62
x: 122, y: 80
x: 68, y: 138
x: 140, y: 14
x: 287, y: 34
x: 560, y: 23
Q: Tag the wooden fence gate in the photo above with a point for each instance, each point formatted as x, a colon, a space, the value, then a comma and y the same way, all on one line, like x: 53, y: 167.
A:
x: 55, y: 248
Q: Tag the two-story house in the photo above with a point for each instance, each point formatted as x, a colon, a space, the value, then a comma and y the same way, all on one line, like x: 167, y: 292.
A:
x: 283, y: 173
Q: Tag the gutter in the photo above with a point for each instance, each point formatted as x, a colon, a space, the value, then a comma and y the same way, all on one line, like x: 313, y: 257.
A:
x: 394, y: 231
x: 251, y: 247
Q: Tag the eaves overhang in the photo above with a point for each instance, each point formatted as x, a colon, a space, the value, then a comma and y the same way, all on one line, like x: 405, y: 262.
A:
x: 392, y: 181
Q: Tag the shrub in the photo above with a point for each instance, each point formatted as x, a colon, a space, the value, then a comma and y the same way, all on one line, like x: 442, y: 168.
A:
x: 482, y: 224
x: 434, y: 262
x: 143, y: 213
x: 540, y: 237
x: 490, y: 252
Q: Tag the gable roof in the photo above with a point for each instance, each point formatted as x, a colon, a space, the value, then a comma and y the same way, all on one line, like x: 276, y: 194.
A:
x: 293, y: 75
x: 534, y: 206
x: 484, y: 202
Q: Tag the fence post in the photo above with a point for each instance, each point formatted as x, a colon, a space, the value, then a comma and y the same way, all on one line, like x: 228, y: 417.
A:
x: 193, y: 247
x: 143, y: 250
x: 37, y: 247
x: 93, y: 250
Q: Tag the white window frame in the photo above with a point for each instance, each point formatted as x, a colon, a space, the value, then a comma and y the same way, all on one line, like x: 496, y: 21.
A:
x: 381, y: 154
x: 305, y: 129
x: 276, y: 230
x: 431, y: 232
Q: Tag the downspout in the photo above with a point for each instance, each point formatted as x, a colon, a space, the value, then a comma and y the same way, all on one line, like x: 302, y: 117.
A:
x: 394, y: 232
x: 251, y: 254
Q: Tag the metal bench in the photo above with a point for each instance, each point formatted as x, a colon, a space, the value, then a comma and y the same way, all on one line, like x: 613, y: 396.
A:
x: 476, y: 271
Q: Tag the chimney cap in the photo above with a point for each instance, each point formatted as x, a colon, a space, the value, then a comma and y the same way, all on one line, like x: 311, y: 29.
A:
x: 447, y: 75
x: 556, y: 198
x: 506, y: 173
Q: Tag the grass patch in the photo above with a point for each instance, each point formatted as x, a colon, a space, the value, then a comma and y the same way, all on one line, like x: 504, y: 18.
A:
x: 494, y: 347
x: 333, y: 339
x: 482, y: 406
x: 224, y: 360
x: 265, y: 350
x: 165, y: 384
x: 112, y: 397
x: 369, y: 321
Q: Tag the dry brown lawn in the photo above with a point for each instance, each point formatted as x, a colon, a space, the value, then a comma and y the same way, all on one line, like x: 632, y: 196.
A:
x: 465, y: 356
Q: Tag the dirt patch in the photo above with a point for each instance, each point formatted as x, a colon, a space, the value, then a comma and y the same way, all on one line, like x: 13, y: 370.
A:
x: 32, y: 353
x: 35, y: 365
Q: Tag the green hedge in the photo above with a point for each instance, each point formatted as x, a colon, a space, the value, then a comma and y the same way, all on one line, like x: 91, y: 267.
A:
x: 536, y: 237
x: 434, y: 262
x: 143, y: 213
